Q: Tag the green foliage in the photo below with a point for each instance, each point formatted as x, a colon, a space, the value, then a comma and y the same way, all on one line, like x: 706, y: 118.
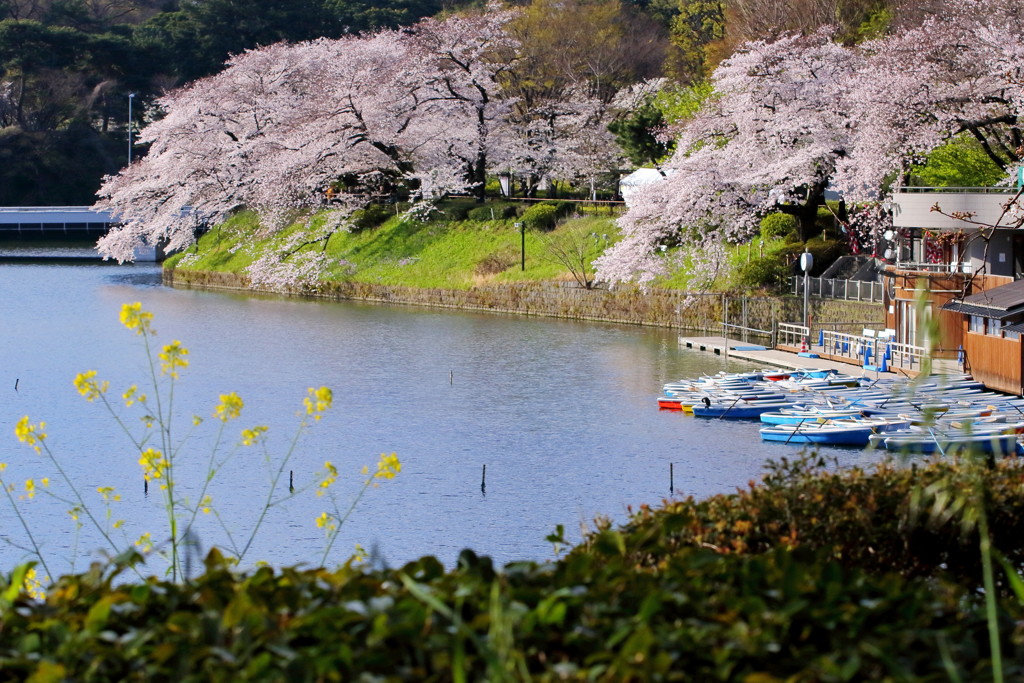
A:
x: 790, y: 580
x: 777, y: 224
x: 541, y: 216
x: 874, y: 26
x: 825, y: 252
x: 679, y: 104
x: 371, y: 216
x: 492, y: 211
x: 695, y: 29
x: 55, y: 168
x: 961, y: 162
x: 635, y: 133
x: 769, y: 272
x: 887, y: 520
x: 482, y: 213
x: 825, y: 223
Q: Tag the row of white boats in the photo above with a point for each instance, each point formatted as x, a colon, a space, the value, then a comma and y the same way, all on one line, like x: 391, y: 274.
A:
x: 940, y: 414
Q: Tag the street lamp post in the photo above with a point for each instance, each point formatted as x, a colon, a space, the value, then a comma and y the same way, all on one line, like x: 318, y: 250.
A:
x: 522, y: 245
x: 806, y: 263
x: 131, y: 98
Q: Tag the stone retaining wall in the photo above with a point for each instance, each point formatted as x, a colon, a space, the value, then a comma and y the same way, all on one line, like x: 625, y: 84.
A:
x: 660, y: 308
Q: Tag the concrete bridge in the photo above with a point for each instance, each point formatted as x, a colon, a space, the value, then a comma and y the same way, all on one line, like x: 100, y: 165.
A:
x: 45, y: 222
x: 63, y: 221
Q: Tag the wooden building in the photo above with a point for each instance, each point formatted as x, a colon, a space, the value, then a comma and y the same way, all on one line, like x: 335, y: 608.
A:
x: 937, y: 257
x: 991, y: 324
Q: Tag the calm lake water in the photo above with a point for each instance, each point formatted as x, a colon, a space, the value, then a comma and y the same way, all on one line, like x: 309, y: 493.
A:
x: 562, y: 414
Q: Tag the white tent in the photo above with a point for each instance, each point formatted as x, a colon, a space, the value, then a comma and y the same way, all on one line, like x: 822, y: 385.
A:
x: 639, y: 178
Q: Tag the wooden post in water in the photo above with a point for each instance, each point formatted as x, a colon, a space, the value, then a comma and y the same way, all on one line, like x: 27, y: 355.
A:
x: 451, y: 377
x: 671, y: 479
x: 483, y: 481
x: 291, y: 481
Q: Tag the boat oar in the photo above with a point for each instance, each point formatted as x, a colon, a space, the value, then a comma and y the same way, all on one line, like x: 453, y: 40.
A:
x: 799, y: 424
x: 942, y: 451
x: 730, y: 407
x: 796, y: 429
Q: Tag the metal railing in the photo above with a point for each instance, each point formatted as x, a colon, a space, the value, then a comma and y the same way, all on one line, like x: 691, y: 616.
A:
x: 870, y: 351
x: 847, y: 290
x: 956, y: 190
x: 958, y: 267
x: 790, y: 334
x: 745, y: 333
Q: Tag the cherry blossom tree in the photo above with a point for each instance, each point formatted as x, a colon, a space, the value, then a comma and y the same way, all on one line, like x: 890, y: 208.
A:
x: 791, y: 117
x: 281, y: 124
x: 767, y: 140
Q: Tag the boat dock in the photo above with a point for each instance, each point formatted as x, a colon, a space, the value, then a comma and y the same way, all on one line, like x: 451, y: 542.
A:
x: 780, y: 358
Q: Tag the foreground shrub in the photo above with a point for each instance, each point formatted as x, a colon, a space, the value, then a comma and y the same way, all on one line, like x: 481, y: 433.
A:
x: 812, y: 575
x: 911, y: 520
x: 593, y: 616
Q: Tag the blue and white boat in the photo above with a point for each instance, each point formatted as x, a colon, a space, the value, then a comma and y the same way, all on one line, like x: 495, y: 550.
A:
x: 819, y: 433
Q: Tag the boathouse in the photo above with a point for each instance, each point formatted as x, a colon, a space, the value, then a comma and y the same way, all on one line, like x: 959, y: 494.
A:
x: 943, y: 252
x: 991, y: 325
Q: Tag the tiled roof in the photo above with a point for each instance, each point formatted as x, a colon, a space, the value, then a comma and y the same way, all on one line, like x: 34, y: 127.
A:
x: 999, y: 302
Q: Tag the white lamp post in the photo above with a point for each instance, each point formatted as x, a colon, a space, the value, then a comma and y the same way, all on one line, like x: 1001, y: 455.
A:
x: 806, y: 263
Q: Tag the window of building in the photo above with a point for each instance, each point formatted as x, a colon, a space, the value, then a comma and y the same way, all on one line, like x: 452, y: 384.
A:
x: 977, y: 324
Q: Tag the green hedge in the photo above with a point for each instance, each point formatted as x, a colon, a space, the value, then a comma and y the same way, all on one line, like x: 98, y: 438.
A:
x: 813, y: 575
x: 776, y: 225
x: 593, y: 616
x: 863, y: 519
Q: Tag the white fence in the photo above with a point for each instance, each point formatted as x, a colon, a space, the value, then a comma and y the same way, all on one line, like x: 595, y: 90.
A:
x: 789, y: 334
x: 848, y: 290
x: 870, y: 350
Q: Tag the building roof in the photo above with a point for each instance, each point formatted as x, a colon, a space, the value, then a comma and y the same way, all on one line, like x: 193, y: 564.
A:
x: 999, y: 302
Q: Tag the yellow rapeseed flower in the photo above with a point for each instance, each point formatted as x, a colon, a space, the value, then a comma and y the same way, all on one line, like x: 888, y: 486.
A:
x: 136, y: 319
x: 317, y: 401
x: 388, y: 466
x: 29, y: 433
x: 172, y: 358
x: 252, y: 436
x: 108, y: 493
x: 154, y: 464
x: 30, y: 489
x: 229, y: 408
x: 326, y: 521
x: 330, y: 477
x: 145, y: 542
x: 33, y: 586
x: 87, y: 385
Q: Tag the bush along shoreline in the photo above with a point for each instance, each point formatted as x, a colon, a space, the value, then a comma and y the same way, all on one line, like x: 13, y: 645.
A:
x: 813, y: 574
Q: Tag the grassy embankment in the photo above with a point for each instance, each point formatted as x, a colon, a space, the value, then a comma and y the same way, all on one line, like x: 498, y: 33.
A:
x: 451, y: 250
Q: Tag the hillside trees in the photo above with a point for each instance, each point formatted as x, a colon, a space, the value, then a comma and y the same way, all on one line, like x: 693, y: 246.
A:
x: 790, y: 117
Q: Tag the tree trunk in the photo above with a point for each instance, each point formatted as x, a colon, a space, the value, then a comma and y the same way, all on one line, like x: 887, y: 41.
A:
x: 807, y: 212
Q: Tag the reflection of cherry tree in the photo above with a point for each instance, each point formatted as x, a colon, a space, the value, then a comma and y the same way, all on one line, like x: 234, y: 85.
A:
x: 791, y: 117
